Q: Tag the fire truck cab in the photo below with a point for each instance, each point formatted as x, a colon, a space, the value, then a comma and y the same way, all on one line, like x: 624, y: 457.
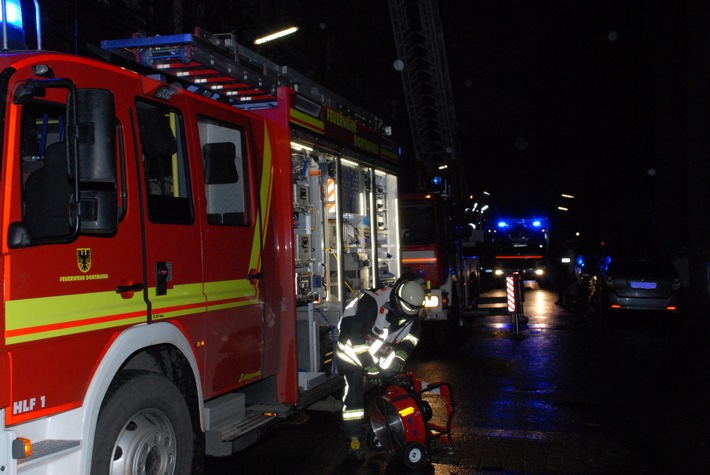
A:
x: 517, y: 245
x: 172, y: 265
x: 434, y: 248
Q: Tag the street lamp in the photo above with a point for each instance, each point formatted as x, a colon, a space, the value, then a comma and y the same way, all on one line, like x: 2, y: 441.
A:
x: 276, y: 35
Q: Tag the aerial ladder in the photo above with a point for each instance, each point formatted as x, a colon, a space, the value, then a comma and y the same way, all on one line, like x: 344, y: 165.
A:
x: 419, y: 42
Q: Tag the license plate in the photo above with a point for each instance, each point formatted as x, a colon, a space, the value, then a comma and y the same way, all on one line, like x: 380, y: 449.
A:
x: 642, y: 285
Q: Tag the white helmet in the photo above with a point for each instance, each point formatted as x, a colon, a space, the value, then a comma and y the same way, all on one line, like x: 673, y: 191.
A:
x: 409, y: 297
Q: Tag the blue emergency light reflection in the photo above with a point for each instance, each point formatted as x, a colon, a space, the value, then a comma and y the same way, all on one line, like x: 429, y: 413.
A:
x: 14, y: 13
x: 436, y: 180
x: 537, y: 223
x: 502, y: 224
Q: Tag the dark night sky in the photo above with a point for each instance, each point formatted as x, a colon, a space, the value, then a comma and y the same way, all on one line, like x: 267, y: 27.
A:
x: 551, y: 96
x: 588, y: 98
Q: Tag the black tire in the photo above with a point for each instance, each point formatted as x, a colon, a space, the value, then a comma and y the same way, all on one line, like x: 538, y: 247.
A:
x: 414, y: 455
x: 144, y: 426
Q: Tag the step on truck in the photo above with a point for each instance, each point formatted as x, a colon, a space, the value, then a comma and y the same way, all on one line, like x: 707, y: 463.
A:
x: 175, y: 252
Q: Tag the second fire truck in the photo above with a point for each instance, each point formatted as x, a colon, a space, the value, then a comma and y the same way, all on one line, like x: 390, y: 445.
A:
x: 436, y: 247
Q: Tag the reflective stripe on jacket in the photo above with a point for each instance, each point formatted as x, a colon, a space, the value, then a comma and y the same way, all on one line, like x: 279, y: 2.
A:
x: 372, y: 334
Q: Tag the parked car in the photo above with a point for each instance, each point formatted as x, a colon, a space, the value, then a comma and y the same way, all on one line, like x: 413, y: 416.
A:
x: 635, y: 283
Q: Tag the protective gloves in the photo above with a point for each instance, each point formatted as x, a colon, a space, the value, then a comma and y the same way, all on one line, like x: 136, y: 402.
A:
x: 397, y: 367
x: 372, y: 370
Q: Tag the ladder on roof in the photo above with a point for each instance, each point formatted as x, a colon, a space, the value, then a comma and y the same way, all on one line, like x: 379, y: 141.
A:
x: 209, y: 64
x: 216, y: 66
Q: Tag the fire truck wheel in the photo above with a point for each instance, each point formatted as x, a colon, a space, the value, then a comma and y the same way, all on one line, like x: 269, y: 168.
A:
x: 144, y: 427
x: 414, y: 455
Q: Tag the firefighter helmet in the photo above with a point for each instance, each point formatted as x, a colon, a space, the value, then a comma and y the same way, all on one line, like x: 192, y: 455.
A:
x: 409, y: 296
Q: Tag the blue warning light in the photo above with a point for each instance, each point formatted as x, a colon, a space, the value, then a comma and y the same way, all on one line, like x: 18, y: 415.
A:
x: 14, y: 13
x: 13, y: 36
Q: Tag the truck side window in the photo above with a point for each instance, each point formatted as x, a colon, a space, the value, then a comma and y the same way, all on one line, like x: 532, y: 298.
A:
x: 164, y: 164
x: 223, y: 158
x: 46, y: 186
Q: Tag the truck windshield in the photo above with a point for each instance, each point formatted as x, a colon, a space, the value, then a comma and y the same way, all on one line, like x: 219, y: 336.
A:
x: 417, y: 222
x: 518, y: 241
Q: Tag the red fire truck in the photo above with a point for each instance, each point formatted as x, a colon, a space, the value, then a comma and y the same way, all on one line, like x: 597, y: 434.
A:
x: 519, y: 245
x: 174, y: 251
x: 434, y: 247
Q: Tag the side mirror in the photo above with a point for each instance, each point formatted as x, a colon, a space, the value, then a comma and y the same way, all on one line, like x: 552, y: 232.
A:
x: 96, y: 155
x: 96, y: 130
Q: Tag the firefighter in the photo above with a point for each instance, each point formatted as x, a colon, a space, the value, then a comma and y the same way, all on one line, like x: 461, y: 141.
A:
x: 378, y: 331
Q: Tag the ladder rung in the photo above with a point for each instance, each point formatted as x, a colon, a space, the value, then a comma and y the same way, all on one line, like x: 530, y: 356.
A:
x: 194, y: 72
x: 218, y: 79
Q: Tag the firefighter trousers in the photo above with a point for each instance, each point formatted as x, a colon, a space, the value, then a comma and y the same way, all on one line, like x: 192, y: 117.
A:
x: 353, y: 411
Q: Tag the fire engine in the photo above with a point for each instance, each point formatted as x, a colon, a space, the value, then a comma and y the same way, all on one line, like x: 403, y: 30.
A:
x: 435, y: 247
x: 178, y: 241
x: 515, y: 244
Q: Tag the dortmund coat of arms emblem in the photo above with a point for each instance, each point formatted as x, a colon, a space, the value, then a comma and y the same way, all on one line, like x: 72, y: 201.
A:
x: 83, y: 259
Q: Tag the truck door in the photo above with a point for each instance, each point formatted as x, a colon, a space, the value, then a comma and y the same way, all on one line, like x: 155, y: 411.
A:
x: 232, y: 246
x: 171, y: 236
x: 201, y: 236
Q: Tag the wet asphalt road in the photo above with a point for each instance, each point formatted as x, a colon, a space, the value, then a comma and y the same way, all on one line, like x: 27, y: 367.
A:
x: 568, y: 394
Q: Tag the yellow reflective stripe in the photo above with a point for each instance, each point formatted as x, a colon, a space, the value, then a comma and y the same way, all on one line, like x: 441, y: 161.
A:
x: 360, y: 349
x: 305, y: 120
x: 347, y: 350
x: 344, y: 357
x: 181, y: 300
x: 353, y: 415
x: 411, y: 338
x: 385, y: 363
x: 376, y: 345
x: 265, y: 194
x: 230, y: 294
x: 48, y: 317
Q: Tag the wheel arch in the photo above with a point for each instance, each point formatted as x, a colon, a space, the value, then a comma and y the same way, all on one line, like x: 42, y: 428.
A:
x: 152, y: 347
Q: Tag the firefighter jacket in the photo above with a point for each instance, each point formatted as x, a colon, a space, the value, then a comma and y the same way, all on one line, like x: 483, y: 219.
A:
x: 374, y: 335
